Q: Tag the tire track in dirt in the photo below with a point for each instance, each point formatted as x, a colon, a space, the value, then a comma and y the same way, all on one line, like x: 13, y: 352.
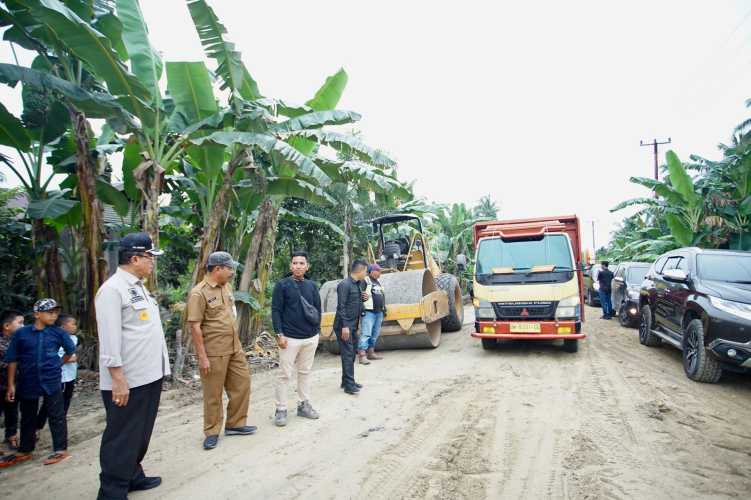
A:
x: 438, y: 438
x: 654, y: 406
x: 538, y: 410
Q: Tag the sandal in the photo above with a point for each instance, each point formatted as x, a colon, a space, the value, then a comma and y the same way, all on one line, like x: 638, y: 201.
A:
x: 57, y: 457
x: 11, y: 460
x: 12, y: 442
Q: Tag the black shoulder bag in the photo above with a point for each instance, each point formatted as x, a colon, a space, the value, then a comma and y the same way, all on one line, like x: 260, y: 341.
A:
x: 308, y: 310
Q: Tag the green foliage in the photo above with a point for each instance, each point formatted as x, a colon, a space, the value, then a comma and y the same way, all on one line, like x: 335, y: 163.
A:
x: 711, y: 209
x: 17, y: 255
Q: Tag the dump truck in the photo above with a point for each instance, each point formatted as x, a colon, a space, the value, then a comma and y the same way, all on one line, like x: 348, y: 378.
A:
x: 528, y: 281
x: 421, y: 301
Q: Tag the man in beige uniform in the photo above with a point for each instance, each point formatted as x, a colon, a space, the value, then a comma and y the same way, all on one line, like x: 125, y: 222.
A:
x: 221, y: 359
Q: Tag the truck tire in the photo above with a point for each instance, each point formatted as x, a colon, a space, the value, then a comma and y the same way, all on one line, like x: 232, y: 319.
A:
x: 698, y: 362
x: 455, y: 318
x: 646, y: 337
x: 489, y: 344
x: 571, y: 345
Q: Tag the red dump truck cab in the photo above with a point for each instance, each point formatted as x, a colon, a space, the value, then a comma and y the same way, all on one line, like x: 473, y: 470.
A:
x: 528, y: 282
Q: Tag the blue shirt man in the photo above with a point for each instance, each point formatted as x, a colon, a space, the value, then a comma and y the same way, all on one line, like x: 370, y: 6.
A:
x: 33, y: 356
x: 39, y: 362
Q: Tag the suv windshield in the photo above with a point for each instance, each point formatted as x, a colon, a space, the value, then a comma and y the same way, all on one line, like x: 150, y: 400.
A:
x: 636, y: 275
x: 513, y: 261
x: 727, y: 267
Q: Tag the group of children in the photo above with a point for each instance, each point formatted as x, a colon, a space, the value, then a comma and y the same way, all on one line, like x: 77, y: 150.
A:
x: 37, y: 364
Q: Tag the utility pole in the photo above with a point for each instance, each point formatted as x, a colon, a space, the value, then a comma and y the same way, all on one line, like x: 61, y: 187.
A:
x: 654, y: 144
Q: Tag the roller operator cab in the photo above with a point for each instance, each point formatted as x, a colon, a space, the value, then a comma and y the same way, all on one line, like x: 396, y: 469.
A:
x: 528, y: 281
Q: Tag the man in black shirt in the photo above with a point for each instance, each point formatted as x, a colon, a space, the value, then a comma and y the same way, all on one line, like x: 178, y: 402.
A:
x: 296, y: 335
x: 348, y: 311
x: 604, y: 279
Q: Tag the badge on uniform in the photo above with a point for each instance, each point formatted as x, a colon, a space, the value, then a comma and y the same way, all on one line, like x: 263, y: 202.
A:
x: 144, y: 315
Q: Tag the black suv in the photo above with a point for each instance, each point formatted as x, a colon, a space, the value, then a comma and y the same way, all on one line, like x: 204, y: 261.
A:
x: 626, y: 284
x: 700, y: 302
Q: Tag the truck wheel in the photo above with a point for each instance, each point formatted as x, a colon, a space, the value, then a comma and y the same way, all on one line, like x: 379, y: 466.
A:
x: 489, y: 344
x: 698, y: 362
x: 571, y: 345
x: 646, y: 337
x: 449, y: 284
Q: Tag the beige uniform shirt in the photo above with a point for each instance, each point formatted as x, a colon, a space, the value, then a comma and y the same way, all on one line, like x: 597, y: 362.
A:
x: 214, y: 307
x: 130, y: 332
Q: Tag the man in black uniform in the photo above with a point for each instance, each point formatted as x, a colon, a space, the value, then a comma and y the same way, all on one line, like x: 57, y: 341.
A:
x: 348, y: 311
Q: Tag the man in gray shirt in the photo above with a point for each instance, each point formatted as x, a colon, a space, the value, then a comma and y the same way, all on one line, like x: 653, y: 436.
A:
x: 133, y: 361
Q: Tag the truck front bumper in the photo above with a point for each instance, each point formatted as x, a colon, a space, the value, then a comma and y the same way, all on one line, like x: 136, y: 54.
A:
x: 548, y: 330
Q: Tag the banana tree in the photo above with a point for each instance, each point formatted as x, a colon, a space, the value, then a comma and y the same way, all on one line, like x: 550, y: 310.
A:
x: 486, y: 209
x: 727, y: 183
x: 82, y: 52
x: 681, y: 202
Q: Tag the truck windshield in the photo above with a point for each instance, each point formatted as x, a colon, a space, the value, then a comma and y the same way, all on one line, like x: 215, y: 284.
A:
x: 730, y: 268
x: 522, y: 256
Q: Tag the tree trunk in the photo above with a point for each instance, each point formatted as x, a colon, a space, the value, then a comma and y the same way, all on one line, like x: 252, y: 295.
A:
x: 95, y: 266
x: 347, y: 240
x: 47, y: 268
x: 210, y: 238
x: 149, y: 177
x: 255, y: 276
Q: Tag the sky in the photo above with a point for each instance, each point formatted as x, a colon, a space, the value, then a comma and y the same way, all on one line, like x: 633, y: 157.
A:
x: 539, y: 104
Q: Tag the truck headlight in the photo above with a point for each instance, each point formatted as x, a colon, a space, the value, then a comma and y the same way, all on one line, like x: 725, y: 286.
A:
x: 569, y: 308
x: 738, y: 309
x: 483, y: 309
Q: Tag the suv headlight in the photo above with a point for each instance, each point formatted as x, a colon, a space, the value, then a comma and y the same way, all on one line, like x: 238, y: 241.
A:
x: 483, y: 309
x: 569, y: 308
x: 731, y: 307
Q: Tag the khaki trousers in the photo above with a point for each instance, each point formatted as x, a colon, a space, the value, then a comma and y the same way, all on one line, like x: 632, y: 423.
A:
x: 297, y: 357
x: 228, y: 373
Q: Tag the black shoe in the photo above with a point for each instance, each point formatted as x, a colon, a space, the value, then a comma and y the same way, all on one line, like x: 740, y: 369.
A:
x: 210, y: 442
x: 240, y: 431
x: 359, y: 386
x: 146, y: 483
x: 351, y: 390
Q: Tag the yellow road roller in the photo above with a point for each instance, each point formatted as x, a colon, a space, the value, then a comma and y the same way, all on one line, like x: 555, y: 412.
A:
x: 421, y: 301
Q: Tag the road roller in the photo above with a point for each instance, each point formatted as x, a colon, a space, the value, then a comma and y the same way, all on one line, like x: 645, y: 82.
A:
x: 421, y: 301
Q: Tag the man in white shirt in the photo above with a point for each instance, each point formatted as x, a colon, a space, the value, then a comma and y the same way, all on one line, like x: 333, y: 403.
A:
x: 133, y: 361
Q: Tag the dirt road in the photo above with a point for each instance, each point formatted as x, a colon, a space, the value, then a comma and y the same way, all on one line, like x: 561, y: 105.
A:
x: 527, y: 421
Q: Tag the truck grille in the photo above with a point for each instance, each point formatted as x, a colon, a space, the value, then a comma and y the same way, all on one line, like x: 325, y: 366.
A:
x: 525, y: 310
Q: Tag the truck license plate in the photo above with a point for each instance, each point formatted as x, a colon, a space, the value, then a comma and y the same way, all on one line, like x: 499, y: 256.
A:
x: 525, y: 328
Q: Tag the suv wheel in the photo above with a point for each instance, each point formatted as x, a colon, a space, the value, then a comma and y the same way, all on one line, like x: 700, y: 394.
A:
x: 698, y: 362
x: 646, y: 337
x: 623, y: 316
